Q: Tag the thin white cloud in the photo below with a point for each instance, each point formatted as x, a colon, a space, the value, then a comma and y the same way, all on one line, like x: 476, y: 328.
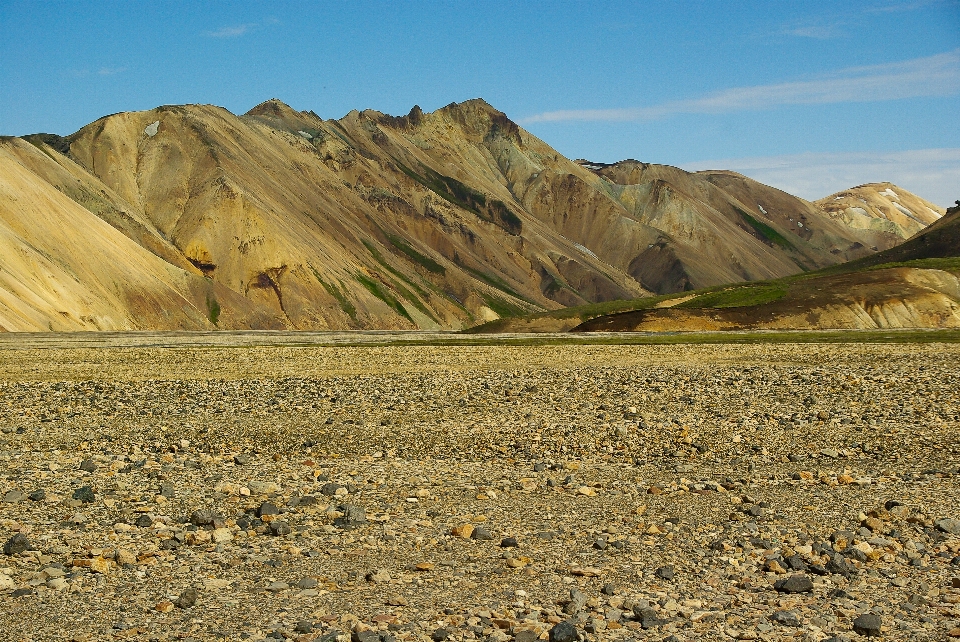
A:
x: 234, y: 31
x: 111, y: 71
x: 933, y: 174
x: 937, y: 75
x: 816, y: 31
x: 896, y: 7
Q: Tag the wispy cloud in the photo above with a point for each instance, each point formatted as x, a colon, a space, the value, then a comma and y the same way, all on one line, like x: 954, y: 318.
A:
x: 102, y: 71
x: 910, y: 5
x: 815, y: 31
x: 933, y: 174
x: 236, y: 31
x: 937, y: 75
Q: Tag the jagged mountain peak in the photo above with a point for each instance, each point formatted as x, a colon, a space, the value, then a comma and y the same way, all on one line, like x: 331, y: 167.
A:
x: 273, y: 107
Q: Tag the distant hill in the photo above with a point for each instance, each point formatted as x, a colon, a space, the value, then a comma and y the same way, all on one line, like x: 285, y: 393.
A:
x: 913, y: 285
x: 883, y: 207
x: 193, y: 217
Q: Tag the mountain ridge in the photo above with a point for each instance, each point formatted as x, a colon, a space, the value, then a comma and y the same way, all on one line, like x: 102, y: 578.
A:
x: 428, y: 220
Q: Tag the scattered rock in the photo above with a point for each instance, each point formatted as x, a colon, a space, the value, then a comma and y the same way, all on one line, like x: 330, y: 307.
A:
x: 564, y: 632
x: 665, y: 573
x: 188, y: 598
x: 352, y: 516
x: 867, y: 624
x: 949, y: 525
x: 16, y: 544
x: 794, y: 584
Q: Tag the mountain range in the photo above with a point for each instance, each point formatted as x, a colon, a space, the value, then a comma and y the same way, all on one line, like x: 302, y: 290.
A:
x: 191, y: 217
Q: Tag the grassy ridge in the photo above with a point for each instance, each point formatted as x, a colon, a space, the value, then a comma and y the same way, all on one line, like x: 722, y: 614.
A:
x: 722, y: 296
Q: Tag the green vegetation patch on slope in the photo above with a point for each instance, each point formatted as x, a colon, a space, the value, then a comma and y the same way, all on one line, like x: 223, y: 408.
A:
x: 213, y: 309
x: 374, y: 288
x: 738, y: 296
x: 502, y: 307
x: 345, y: 304
x: 766, y: 231
x: 420, y: 259
x: 947, y: 263
x: 406, y: 294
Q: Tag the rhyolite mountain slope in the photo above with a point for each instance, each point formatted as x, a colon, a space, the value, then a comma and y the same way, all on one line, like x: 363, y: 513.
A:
x: 64, y: 268
x: 279, y: 218
x: 883, y: 207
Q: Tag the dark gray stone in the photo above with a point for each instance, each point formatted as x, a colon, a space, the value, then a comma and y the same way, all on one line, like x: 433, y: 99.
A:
x: 868, y: 624
x: 665, y: 573
x: 564, y: 632
x: 948, y: 525
x: 839, y: 566
x: 303, y: 626
x: 203, y: 517
x: 278, y: 527
x: 786, y: 618
x: 267, y: 508
x: 330, y: 489
x: 796, y: 563
x: 16, y: 545
x: 188, y: 598
x: 648, y: 618
x: 85, y: 494
x: 794, y: 584
x: 352, y: 517
x: 88, y: 465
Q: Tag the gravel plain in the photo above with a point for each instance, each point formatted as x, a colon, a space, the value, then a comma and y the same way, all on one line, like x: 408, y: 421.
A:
x: 375, y: 493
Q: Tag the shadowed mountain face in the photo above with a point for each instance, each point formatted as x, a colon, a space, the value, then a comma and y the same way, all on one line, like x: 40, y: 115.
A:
x: 279, y: 218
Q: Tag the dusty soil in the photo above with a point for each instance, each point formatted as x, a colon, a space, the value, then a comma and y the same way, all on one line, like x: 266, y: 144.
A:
x: 654, y: 492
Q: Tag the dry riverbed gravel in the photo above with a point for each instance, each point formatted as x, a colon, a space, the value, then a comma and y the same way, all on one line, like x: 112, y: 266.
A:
x: 731, y: 492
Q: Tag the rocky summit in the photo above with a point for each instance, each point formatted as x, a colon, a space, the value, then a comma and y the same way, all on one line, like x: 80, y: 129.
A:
x: 428, y: 493
x: 192, y: 217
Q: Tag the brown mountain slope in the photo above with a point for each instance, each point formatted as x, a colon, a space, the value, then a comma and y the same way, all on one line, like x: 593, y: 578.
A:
x: 430, y: 220
x: 65, y: 269
x: 725, y: 227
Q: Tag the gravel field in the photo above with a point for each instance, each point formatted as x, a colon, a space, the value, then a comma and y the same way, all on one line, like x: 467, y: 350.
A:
x: 376, y: 493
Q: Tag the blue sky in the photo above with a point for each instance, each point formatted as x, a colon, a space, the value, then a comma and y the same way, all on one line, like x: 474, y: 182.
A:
x: 810, y: 97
